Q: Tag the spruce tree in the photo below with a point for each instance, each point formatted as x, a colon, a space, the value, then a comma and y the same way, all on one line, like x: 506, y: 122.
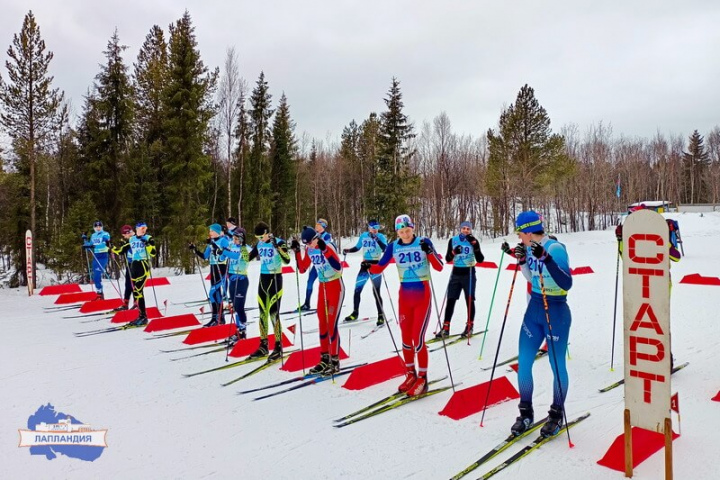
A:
x: 29, y: 106
x: 695, y: 163
x: 150, y: 76
x: 106, y: 145
x: 242, y: 157
x: 256, y: 185
x: 395, y: 184
x: 282, y: 174
x: 187, y: 109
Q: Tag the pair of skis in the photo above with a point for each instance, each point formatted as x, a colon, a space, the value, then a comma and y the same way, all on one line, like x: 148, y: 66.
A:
x: 622, y: 382
x: 454, y: 339
x: 386, y: 404
x: 509, y: 442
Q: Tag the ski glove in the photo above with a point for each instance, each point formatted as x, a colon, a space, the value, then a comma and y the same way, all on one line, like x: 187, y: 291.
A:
x: 457, y: 250
x: 425, y: 247
x: 473, y: 241
x: 618, y: 233
x: 295, y: 245
x: 209, y: 241
x: 505, y: 247
x: 539, y: 252
x: 365, y: 266
x: 520, y: 253
x: 192, y: 247
x: 84, y: 237
x: 321, y: 244
x: 345, y: 251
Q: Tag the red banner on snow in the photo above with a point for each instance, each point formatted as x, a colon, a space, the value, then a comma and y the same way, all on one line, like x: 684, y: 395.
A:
x: 644, y: 444
x: 130, y: 315
x: 101, y: 305
x: 288, y: 269
x: 60, y: 289
x: 694, y: 279
x: 243, y: 348
x: 375, y: 373
x: 471, y: 400
x: 581, y: 270
x: 157, y: 282
x: 66, y: 298
x: 311, y: 358
x: 487, y: 265
x: 716, y: 398
x: 210, y: 334
x: 171, y: 323
x: 511, y: 266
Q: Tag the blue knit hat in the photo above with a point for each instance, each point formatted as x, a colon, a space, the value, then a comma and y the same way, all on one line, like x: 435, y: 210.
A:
x: 529, y: 222
x: 308, y: 234
x: 466, y: 224
x: 215, y: 227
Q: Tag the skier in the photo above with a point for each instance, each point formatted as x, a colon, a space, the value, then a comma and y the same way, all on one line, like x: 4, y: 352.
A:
x: 413, y: 256
x: 373, y: 244
x: 127, y: 232
x: 273, y: 253
x: 321, y: 229
x: 231, y: 224
x: 464, y: 251
x: 238, y: 257
x: 141, y: 248
x: 216, y: 242
x: 98, y: 244
x: 544, y: 262
x: 326, y: 261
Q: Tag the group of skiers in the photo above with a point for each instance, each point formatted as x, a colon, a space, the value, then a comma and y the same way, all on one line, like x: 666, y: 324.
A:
x: 135, y: 251
x: 541, y: 258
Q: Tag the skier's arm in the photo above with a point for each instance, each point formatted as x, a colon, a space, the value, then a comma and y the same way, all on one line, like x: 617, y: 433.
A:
x: 302, y: 260
x: 282, y: 250
x: 449, y: 255
x: 384, y: 261
x: 253, y: 253
x: 332, y: 257
x: 122, y: 248
x: 381, y: 241
x: 150, y: 245
x: 558, y: 266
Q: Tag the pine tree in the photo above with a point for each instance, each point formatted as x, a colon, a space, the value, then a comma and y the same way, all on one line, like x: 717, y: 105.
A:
x: 187, y: 108
x: 353, y: 180
x: 395, y: 184
x: 695, y: 163
x: 282, y: 174
x: 368, y: 146
x: 29, y: 106
x: 525, y: 156
x: 256, y: 185
x: 106, y: 146
x: 150, y: 76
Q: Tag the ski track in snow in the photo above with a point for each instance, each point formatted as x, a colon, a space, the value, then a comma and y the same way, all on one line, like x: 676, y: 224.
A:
x: 164, y: 426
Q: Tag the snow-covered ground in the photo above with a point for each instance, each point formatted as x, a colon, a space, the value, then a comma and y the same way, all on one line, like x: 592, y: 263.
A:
x: 164, y: 426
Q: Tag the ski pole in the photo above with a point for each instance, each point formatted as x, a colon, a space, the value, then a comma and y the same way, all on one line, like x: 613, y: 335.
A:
x: 299, y: 309
x: 104, y: 273
x: 612, y: 345
x: 469, y: 325
x: 442, y: 306
x: 389, y: 296
x: 442, y: 337
x: 207, y: 296
x: 387, y: 324
x: 157, y: 305
x: 552, y: 343
x: 492, y: 302
x: 497, y: 352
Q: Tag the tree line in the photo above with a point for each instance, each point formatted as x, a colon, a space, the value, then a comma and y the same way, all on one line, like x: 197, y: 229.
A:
x: 171, y: 141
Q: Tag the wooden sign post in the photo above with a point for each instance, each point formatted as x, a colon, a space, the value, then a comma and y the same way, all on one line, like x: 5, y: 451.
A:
x: 646, y: 302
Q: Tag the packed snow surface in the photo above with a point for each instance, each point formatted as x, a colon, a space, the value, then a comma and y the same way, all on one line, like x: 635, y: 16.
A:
x: 163, y: 426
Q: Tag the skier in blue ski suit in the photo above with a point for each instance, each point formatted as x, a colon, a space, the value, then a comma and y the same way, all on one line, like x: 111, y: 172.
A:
x: 373, y: 244
x: 544, y: 263
x: 216, y: 242
x: 321, y: 229
x: 98, y: 245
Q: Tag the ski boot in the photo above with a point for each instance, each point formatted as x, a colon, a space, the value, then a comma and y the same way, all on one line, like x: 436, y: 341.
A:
x: 526, y: 418
x: 236, y: 337
x: 419, y: 387
x: 332, y: 368
x: 468, y: 331
x: 277, y: 352
x: 99, y: 295
x: 213, y: 321
x: 444, y: 331
x: 306, y: 306
x: 352, y: 317
x: 262, y: 350
x: 139, y: 322
x: 554, y: 421
x: 410, y: 378
x: 380, y: 320
x: 320, y: 367
x: 122, y: 307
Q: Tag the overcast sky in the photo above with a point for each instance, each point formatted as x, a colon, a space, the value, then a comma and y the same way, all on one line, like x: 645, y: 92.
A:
x: 641, y: 66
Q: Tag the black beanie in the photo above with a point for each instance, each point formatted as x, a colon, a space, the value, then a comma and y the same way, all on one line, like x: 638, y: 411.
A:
x: 261, y: 229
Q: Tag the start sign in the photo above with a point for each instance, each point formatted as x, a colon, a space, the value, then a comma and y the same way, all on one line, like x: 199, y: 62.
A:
x: 646, y: 305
